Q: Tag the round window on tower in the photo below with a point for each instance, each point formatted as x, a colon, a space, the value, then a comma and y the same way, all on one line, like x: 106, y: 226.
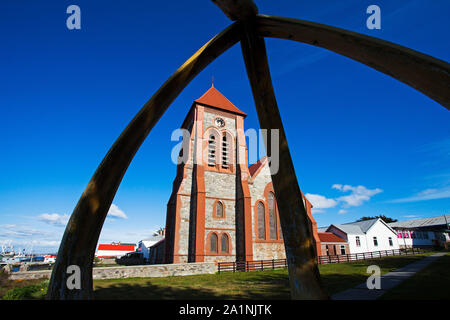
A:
x: 219, y: 122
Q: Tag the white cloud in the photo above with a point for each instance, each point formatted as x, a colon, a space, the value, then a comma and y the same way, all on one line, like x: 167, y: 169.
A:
x: 62, y: 219
x: 26, y: 237
x: 428, y: 194
x: 410, y: 216
x: 16, y: 231
x: 47, y: 239
x: 114, y: 211
x: 54, y: 218
x: 320, y: 202
x: 357, y: 196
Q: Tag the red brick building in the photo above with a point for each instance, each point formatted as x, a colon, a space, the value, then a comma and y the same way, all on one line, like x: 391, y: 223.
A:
x: 332, y: 245
x: 220, y: 208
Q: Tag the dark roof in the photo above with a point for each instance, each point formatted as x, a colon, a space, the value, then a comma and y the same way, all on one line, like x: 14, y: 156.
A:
x: 364, y: 225
x: 360, y: 227
x: 425, y: 222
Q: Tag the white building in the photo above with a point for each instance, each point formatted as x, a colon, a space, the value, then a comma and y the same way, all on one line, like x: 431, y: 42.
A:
x: 145, y: 244
x: 114, y: 250
x: 424, y: 232
x: 366, y: 236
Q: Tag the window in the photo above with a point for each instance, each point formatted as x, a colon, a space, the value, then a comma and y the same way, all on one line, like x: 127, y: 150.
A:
x: 272, y: 221
x: 375, y: 241
x: 405, y: 234
x: 358, y: 241
x: 225, y: 152
x: 219, y: 209
x: 390, y: 242
x: 212, y: 151
x: 399, y: 234
x: 213, y: 242
x: 342, y: 250
x: 261, y: 221
x: 224, y: 243
x: 425, y: 235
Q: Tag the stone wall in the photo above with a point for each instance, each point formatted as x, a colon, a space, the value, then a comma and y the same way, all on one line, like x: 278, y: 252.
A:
x: 144, y: 271
x: 268, y: 251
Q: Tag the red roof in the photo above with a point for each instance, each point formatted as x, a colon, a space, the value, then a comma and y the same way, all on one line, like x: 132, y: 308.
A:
x: 215, y: 99
x: 116, y: 247
x: 258, y: 164
x: 329, y: 237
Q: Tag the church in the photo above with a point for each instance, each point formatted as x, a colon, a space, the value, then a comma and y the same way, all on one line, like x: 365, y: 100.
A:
x: 221, y: 209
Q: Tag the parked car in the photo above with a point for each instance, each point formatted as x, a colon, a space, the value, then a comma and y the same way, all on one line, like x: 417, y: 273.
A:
x: 131, y: 258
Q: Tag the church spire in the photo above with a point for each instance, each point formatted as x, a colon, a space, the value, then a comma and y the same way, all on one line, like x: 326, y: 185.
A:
x: 213, y: 98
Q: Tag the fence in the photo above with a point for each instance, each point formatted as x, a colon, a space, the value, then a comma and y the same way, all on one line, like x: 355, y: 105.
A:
x: 282, y: 263
x: 251, y: 265
x: 366, y: 255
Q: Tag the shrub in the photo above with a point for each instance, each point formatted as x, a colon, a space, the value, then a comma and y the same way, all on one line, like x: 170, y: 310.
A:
x: 36, y: 291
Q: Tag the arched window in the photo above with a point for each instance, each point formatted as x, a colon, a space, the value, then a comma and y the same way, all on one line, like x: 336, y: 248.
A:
x: 261, y: 221
x: 219, y: 209
x: 272, y: 220
x: 212, y: 150
x: 224, y: 248
x: 225, y: 151
x: 213, y: 242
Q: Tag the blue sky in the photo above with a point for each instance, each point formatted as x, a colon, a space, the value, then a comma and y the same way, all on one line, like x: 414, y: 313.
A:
x: 362, y: 142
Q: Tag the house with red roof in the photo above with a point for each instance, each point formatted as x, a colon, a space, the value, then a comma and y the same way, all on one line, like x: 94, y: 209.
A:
x: 114, y: 250
x: 332, y: 245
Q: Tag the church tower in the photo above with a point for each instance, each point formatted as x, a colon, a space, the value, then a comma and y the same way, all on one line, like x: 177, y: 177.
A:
x: 209, y: 211
x: 221, y: 209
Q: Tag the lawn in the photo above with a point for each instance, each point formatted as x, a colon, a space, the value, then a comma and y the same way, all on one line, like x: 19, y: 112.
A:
x: 432, y: 283
x: 267, y: 284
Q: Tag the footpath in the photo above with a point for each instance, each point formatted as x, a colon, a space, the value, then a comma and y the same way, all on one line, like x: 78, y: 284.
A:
x: 388, y: 281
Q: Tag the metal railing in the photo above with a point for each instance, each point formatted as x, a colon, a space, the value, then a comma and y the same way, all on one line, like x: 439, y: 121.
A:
x: 367, y: 255
x: 253, y: 265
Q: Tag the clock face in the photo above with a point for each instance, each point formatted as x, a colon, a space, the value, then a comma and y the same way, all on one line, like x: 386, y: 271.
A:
x: 220, y: 122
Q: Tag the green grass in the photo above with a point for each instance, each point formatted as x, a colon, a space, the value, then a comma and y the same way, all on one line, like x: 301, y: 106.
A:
x: 267, y: 284
x: 21, y: 289
x: 432, y: 283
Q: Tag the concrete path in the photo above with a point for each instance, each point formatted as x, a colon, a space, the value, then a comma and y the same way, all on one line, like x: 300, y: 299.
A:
x: 388, y: 281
